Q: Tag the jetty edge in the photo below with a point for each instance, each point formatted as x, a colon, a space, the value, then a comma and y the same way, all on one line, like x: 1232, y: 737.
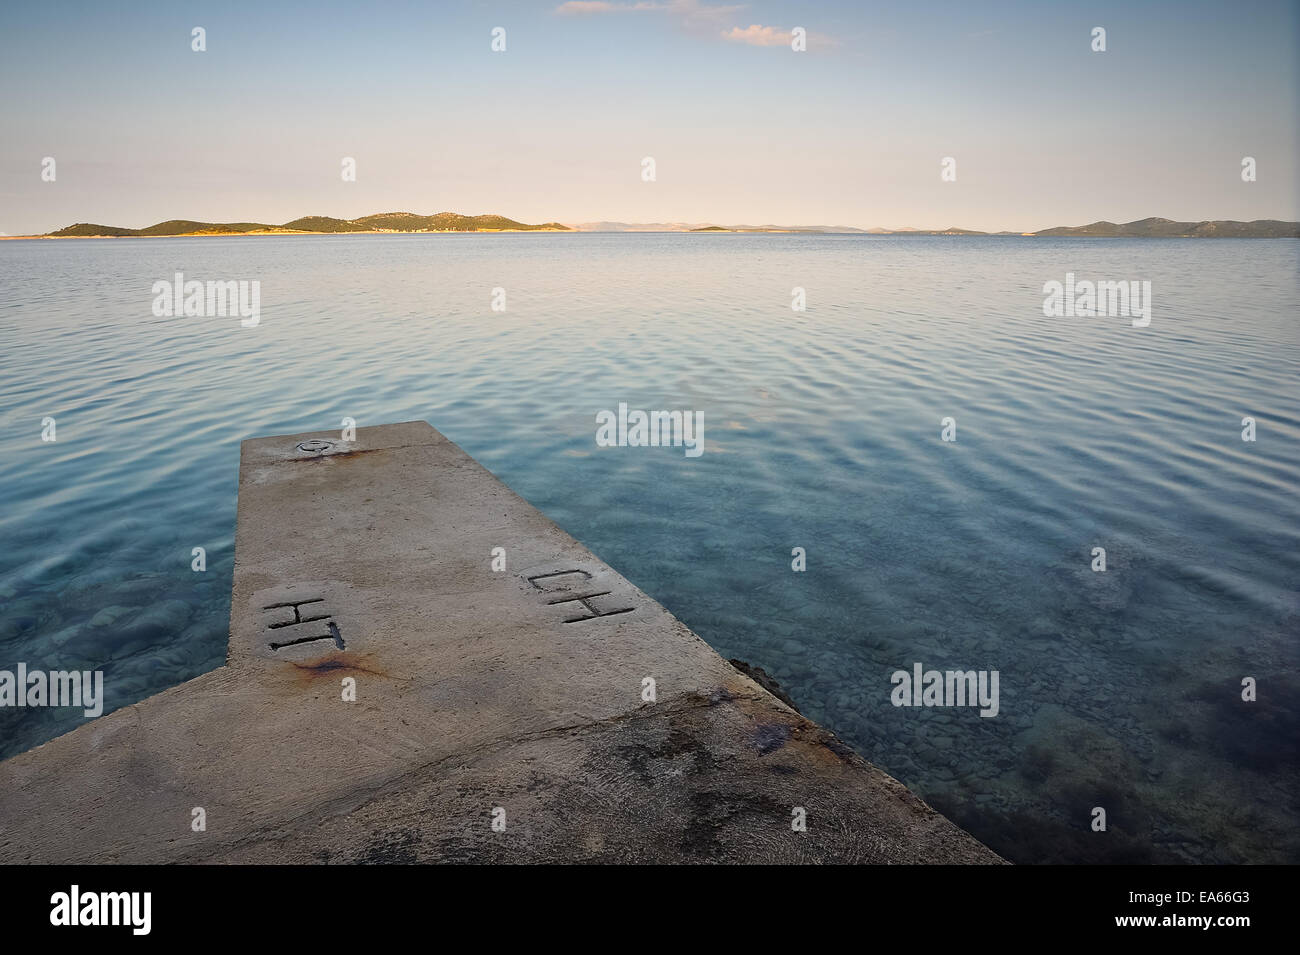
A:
x: 390, y: 697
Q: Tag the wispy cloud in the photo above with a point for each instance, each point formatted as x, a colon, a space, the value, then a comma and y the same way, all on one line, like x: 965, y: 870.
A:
x: 696, y: 17
x: 758, y: 35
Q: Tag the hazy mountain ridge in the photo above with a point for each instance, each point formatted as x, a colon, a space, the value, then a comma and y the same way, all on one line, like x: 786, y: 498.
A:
x: 1141, y: 228
x: 606, y: 226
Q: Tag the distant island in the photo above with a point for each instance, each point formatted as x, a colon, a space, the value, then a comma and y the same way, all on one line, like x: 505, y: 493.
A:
x: 403, y: 222
x: 381, y: 222
x: 1166, y: 228
x: 845, y: 230
x: 1142, y: 228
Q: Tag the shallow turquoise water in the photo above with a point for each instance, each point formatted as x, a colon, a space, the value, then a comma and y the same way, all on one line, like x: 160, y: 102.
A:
x: 822, y: 430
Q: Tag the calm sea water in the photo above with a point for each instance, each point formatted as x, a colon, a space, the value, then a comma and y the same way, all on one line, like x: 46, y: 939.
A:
x: 1118, y: 689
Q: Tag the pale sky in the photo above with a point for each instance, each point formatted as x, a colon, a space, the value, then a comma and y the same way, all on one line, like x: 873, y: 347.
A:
x: 742, y: 128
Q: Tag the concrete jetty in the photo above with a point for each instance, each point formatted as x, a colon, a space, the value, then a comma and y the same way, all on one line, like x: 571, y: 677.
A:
x: 389, y: 696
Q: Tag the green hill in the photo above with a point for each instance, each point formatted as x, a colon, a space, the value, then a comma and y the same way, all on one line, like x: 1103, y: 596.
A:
x: 321, y: 224
x: 184, y: 226
x: 1167, y: 228
x: 381, y: 222
x: 86, y: 229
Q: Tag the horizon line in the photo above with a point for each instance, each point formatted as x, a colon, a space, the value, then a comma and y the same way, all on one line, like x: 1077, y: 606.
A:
x: 549, y: 225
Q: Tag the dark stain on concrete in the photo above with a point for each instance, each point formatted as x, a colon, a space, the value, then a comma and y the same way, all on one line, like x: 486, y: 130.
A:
x: 770, y: 736
x: 392, y: 848
x: 343, y: 664
x: 341, y: 455
x: 714, y: 814
x: 647, y: 759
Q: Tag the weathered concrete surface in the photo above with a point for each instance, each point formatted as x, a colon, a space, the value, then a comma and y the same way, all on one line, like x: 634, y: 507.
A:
x: 475, y: 689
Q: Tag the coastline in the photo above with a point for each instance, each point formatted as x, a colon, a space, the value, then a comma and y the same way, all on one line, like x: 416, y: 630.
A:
x: 918, y: 233
x: 258, y: 232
